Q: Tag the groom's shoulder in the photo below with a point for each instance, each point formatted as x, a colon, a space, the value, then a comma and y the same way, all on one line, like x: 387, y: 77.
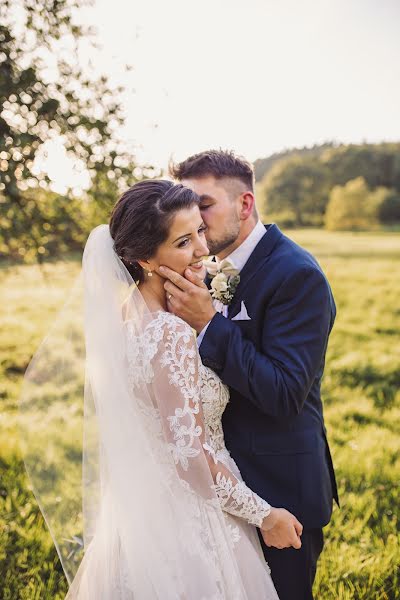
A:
x: 286, y: 249
x: 289, y: 258
x: 297, y: 253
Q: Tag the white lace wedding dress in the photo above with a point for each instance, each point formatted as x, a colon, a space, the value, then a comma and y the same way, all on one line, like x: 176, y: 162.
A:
x: 184, y: 529
x: 205, y: 399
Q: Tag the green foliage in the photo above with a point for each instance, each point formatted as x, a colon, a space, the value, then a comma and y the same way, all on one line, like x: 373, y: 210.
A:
x: 302, y: 181
x: 389, y: 209
x: 353, y: 206
x: 23, y: 535
x: 378, y: 164
x: 263, y: 165
x: 50, y: 225
x: 285, y: 219
x: 362, y: 411
x: 297, y: 185
x: 39, y: 104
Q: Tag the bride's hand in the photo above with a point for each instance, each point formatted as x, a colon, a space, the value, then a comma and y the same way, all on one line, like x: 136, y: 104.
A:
x: 281, y: 529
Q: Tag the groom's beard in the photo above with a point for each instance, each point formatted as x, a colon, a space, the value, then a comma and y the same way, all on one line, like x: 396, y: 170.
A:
x: 226, y: 238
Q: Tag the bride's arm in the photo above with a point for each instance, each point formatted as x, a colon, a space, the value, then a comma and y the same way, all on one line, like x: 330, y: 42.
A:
x: 180, y: 364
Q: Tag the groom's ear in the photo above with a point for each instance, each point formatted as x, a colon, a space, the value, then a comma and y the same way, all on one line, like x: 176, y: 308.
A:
x: 247, y: 205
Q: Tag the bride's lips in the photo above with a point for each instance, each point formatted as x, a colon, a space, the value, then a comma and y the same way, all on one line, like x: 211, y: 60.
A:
x: 197, y: 266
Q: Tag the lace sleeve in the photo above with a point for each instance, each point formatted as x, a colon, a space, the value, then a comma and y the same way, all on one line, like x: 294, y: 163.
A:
x: 180, y: 362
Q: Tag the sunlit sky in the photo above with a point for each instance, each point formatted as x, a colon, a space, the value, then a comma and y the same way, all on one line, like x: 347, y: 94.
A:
x: 256, y: 76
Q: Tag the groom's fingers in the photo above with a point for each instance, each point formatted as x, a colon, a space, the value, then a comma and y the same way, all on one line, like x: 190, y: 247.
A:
x: 189, y: 300
x: 183, y: 283
x: 298, y: 527
x: 298, y: 530
x: 172, y: 289
x: 179, y: 281
x: 194, y: 278
x: 297, y: 543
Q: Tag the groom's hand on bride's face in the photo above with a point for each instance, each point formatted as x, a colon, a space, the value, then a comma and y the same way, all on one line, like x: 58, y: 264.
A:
x: 188, y: 297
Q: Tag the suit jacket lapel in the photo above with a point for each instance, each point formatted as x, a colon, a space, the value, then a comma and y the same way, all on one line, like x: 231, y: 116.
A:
x: 257, y: 258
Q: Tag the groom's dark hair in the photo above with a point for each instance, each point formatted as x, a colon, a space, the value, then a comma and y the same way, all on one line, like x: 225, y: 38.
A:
x: 218, y: 163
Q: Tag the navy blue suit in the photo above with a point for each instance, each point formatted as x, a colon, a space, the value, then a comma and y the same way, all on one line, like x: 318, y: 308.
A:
x: 273, y: 365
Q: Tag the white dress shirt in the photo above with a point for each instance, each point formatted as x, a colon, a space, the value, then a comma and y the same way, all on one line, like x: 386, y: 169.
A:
x: 238, y: 258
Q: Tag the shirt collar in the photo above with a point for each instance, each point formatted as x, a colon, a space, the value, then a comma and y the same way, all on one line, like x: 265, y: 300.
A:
x: 241, y: 255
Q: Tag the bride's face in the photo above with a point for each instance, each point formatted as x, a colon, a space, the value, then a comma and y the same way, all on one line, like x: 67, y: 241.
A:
x: 186, y: 244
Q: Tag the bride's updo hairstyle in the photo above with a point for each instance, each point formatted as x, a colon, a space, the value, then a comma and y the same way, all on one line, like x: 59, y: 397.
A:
x: 141, y: 219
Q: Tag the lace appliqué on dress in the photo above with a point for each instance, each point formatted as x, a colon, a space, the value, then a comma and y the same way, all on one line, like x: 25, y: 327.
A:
x: 214, y: 398
x: 240, y: 501
x: 234, y: 495
x: 140, y: 351
x: 195, y: 383
x: 182, y: 362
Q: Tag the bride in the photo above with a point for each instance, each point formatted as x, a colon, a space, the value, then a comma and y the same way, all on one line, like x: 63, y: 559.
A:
x: 163, y: 512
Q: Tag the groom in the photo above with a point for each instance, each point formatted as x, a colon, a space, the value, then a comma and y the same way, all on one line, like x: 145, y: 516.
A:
x: 268, y: 344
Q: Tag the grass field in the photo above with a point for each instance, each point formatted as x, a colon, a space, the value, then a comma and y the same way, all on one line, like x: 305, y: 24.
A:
x: 361, y: 389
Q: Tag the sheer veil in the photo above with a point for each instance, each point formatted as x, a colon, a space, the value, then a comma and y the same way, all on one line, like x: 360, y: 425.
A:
x: 130, y: 502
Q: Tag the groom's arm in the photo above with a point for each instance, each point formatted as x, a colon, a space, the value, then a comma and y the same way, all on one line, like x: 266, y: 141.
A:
x: 295, y: 331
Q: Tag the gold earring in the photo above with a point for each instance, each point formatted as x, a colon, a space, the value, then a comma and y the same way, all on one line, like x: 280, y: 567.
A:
x: 149, y: 274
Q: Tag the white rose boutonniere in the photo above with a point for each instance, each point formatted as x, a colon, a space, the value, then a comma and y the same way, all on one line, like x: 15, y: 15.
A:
x: 225, y: 279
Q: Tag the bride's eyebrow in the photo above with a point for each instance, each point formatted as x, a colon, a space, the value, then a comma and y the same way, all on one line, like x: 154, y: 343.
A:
x: 206, y: 197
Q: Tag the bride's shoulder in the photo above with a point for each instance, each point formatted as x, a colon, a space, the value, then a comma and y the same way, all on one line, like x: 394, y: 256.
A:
x: 168, y: 323
x: 158, y: 326
x: 158, y: 333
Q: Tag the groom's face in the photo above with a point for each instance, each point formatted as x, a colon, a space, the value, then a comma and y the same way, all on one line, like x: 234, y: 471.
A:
x: 219, y: 207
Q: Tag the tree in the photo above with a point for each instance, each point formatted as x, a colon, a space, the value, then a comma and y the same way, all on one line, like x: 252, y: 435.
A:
x: 299, y: 185
x: 37, y: 107
x: 51, y: 225
x: 353, y: 206
x: 389, y: 208
x: 378, y: 164
x: 263, y: 165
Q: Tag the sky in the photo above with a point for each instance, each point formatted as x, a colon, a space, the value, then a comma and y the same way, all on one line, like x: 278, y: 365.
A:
x: 256, y: 76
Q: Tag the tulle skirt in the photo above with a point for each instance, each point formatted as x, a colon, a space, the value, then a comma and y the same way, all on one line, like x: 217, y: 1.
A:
x: 227, y: 564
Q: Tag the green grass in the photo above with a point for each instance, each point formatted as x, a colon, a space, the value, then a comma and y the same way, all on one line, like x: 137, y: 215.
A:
x: 362, y: 410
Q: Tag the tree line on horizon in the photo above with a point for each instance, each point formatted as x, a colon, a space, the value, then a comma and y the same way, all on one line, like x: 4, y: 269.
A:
x: 341, y: 187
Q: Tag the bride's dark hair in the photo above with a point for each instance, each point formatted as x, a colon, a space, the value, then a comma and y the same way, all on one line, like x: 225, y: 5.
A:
x: 141, y: 219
